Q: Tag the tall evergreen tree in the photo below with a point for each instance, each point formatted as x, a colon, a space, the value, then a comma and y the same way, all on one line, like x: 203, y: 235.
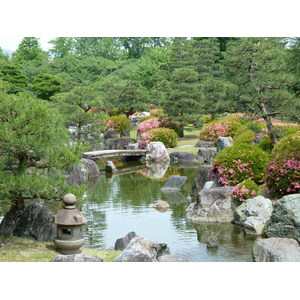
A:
x: 258, y: 68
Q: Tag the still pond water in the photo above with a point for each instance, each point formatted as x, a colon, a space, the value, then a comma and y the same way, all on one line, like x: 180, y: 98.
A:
x: 119, y: 204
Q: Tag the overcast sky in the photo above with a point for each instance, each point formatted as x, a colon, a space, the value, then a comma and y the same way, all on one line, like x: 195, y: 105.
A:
x: 12, y: 43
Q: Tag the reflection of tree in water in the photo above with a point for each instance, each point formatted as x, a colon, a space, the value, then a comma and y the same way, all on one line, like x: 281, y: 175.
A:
x: 93, y: 230
x: 128, y: 191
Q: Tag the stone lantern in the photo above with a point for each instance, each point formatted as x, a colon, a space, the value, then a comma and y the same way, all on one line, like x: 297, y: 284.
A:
x: 69, y: 223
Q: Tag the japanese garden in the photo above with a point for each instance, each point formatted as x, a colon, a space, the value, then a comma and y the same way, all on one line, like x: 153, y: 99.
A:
x: 150, y: 149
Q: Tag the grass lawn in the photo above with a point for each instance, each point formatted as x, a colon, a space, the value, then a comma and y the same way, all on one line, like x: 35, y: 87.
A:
x: 18, y: 249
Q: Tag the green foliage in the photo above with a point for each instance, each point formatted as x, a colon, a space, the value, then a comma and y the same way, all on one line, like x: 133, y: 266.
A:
x: 245, y: 137
x: 47, y: 85
x: 245, y: 190
x: 283, y: 173
x: 165, y: 135
x: 33, y: 149
x: 220, y: 127
x: 118, y: 123
x: 16, y: 79
x: 28, y: 50
x: 81, y: 107
x: 184, y: 101
x: 266, y: 144
x: 240, y: 162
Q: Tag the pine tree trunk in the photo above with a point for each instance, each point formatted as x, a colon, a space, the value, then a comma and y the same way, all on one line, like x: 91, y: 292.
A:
x: 266, y: 117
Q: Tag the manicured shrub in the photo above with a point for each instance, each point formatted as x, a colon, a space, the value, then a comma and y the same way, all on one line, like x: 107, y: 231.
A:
x: 245, y: 190
x: 283, y: 172
x: 148, y: 124
x: 165, y: 135
x: 175, y: 125
x: 218, y: 128
x: 142, y: 119
x: 157, y: 112
x: 240, y: 162
x: 118, y: 123
x: 245, y: 137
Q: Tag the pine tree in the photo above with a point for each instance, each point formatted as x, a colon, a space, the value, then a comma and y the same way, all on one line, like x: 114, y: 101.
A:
x: 258, y: 67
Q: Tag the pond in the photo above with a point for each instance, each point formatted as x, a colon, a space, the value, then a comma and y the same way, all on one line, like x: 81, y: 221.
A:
x: 118, y: 204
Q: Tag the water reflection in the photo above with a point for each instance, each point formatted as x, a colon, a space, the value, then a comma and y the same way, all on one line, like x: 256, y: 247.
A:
x: 124, y: 203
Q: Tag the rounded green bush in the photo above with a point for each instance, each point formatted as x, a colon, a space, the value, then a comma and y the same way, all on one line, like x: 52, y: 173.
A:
x: 245, y: 190
x: 283, y: 172
x: 217, y: 128
x: 118, y: 123
x: 245, y: 137
x: 165, y: 135
x: 240, y: 162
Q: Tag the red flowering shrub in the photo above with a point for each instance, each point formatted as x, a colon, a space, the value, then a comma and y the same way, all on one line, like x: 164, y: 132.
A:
x: 283, y: 172
x: 165, y: 135
x: 245, y: 190
x: 240, y: 162
x: 118, y: 123
x: 212, y: 131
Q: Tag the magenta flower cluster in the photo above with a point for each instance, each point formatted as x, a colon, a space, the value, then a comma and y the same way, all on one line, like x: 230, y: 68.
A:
x: 148, y: 124
x: 212, y: 131
x: 245, y: 190
x: 238, y: 163
x: 118, y: 123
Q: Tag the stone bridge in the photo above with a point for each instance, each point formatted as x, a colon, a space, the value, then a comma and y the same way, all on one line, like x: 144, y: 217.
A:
x: 114, y: 153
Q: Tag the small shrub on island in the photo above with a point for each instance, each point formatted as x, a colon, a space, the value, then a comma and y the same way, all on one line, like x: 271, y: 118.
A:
x: 165, y: 135
x: 218, y: 128
x: 240, y: 162
x: 283, y: 172
x: 245, y: 190
x: 118, y: 123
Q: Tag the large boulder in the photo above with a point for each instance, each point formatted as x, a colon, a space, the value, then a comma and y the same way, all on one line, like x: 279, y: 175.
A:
x: 276, y: 250
x: 8, y: 223
x: 203, y: 174
x: 110, y: 134
x: 81, y: 257
x: 285, y: 219
x: 36, y: 223
x: 182, y: 156
x: 123, y: 242
x: 213, y: 205
x: 174, y: 183
x: 117, y: 143
x: 138, y: 250
x: 206, y: 155
x: 156, y: 151
x: 110, y: 167
x: 254, y: 214
x: 204, y: 144
x: 91, y: 167
x: 224, y: 142
x: 124, y: 133
x: 135, y: 119
x: 78, y: 176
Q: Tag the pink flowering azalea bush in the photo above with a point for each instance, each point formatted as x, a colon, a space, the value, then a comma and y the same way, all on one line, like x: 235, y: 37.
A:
x: 158, y: 112
x: 148, y: 124
x: 245, y: 190
x: 118, y: 123
x: 212, y: 131
x: 133, y: 115
x: 165, y: 135
x: 283, y: 172
x: 240, y: 162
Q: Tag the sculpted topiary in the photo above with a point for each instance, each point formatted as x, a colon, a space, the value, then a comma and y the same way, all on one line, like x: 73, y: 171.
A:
x: 240, y: 162
x: 165, y: 135
x: 283, y: 172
